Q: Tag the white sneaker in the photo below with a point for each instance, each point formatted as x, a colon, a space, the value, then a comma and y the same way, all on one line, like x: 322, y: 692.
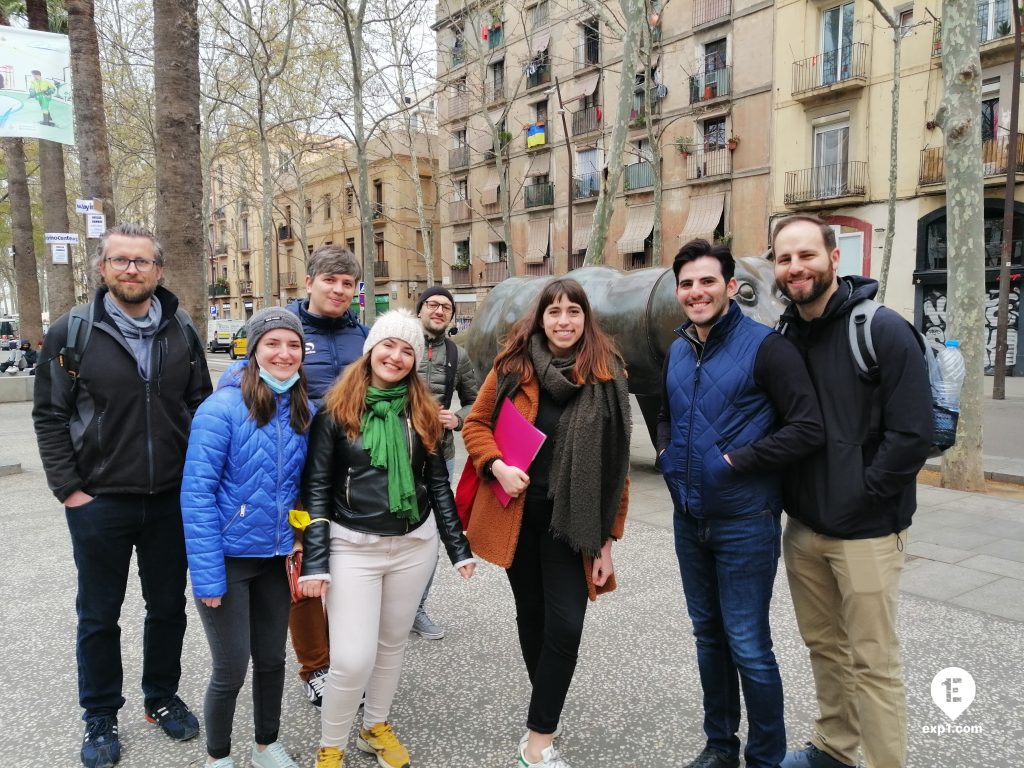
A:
x: 274, y: 756
x: 549, y: 758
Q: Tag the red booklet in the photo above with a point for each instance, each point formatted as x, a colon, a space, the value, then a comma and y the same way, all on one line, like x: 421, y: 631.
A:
x: 519, y: 442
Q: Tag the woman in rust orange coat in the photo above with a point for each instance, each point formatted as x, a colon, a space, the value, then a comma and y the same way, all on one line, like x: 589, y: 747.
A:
x: 564, y: 375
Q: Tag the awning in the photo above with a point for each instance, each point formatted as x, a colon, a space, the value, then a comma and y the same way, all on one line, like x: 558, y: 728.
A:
x: 702, y: 220
x: 482, y: 140
x: 496, y: 115
x: 585, y: 86
x: 582, y: 226
x: 639, y: 224
x: 540, y: 164
x: 537, y: 244
x: 489, y: 189
x: 541, y: 41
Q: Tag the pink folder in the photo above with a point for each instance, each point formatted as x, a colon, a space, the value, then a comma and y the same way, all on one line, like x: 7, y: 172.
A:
x: 519, y: 442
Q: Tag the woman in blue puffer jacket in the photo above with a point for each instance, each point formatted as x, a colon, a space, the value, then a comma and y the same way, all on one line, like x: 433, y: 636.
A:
x: 242, y: 471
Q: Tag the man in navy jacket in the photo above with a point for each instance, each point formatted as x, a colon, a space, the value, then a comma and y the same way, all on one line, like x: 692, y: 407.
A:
x: 738, y: 407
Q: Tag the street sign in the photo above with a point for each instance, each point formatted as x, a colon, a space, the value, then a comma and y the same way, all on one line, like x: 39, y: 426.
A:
x: 213, y: 311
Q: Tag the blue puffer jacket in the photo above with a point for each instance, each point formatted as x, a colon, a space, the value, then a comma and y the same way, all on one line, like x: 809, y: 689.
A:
x: 716, y: 408
x: 331, y: 344
x: 240, y: 481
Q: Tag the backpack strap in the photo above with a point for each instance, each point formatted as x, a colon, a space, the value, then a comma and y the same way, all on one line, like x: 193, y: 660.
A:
x: 80, y: 322
x: 861, y: 343
x: 451, y: 366
x: 188, y: 329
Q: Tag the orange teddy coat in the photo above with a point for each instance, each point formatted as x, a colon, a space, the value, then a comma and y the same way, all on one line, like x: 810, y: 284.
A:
x: 493, y: 529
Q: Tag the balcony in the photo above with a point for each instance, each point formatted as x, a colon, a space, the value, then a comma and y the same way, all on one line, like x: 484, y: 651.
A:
x: 586, y: 186
x: 994, y: 158
x: 710, y: 11
x: 458, y: 210
x: 995, y: 33
x: 536, y: 136
x: 708, y: 164
x: 639, y: 114
x: 380, y: 269
x: 220, y: 213
x: 638, y: 176
x: 284, y: 233
x: 287, y: 279
x: 458, y: 158
x: 586, y: 120
x: 539, y: 270
x: 245, y: 287
x: 494, y: 91
x: 461, y: 276
x: 708, y: 86
x: 576, y: 260
x: 458, y: 55
x: 491, y: 209
x: 536, y: 195
x: 219, y: 288
x: 587, y: 55
x: 459, y: 105
x: 495, y: 272
x: 540, y: 76
x: 826, y: 182
x: 495, y: 37
x: 377, y: 214
x: 632, y: 261
x: 220, y: 249
x: 832, y: 72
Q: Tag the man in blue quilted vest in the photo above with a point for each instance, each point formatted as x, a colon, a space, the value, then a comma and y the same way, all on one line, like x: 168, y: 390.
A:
x: 738, y: 406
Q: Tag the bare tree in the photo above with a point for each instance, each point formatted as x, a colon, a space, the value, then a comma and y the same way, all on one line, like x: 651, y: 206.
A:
x: 25, y: 252
x: 959, y: 117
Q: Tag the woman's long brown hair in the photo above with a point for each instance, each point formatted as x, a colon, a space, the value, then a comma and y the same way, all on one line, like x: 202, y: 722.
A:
x: 346, y: 403
x: 595, y: 351
x: 260, y: 400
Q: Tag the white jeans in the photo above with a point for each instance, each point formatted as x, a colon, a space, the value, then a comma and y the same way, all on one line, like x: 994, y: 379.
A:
x: 371, y: 605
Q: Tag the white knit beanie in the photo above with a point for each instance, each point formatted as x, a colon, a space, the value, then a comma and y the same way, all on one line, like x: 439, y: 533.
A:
x: 397, y: 324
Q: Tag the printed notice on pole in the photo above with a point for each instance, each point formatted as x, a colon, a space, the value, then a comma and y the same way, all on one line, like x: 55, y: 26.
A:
x: 83, y: 206
x: 95, y: 224
x: 60, y: 237
x: 60, y: 252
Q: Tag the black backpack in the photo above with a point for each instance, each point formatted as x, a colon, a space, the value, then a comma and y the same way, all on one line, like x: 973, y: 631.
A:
x: 451, y: 367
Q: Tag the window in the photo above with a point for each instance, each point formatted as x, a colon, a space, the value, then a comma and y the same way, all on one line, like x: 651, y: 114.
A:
x: 462, y: 189
x: 458, y: 48
x: 831, y: 159
x: 220, y: 178
x: 993, y: 20
x: 243, y: 233
x: 309, y: 211
x: 327, y: 207
x: 714, y: 134
x: 990, y: 109
x: 378, y: 246
x: 540, y: 112
x: 350, y: 243
x: 350, y: 200
x: 836, y: 43
x: 906, y: 19
x: 497, y: 252
x: 461, y: 255
x: 459, y: 138
x: 539, y: 14
x: 715, y: 55
x: 590, y: 43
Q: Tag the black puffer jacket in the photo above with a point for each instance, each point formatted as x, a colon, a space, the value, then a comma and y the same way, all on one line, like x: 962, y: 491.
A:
x: 340, y: 484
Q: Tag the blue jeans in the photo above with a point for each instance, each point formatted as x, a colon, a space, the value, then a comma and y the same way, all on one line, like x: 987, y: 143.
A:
x: 728, y: 568
x: 104, y: 532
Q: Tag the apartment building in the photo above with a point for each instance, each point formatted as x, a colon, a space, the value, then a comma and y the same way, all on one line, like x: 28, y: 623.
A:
x: 546, y: 75
x: 317, y: 203
x: 831, y: 139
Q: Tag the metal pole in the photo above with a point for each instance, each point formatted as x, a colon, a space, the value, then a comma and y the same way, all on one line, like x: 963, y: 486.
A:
x: 572, y: 180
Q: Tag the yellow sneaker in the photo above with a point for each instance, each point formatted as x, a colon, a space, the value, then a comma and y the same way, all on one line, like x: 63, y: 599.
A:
x: 330, y: 757
x: 381, y: 741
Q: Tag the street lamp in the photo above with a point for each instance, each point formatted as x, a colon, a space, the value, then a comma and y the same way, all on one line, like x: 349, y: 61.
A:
x: 556, y: 89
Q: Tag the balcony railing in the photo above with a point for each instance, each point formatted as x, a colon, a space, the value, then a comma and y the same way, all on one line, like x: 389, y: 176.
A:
x: 995, y: 155
x: 377, y: 214
x: 458, y: 105
x: 458, y: 55
x: 715, y: 84
x: 495, y: 90
x: 831, y: 67
x: 286, y: 279
x: 539, y: 76
x: 539, y: 270
x: 461, y: 276
x: 639, y: 114
x: 824, y: 182
x: 704, y: 163
x: 576, y: 260
x: 458, y: 210
x: 219, y: 289
x: 538, y: 194
x: 284, y: 232
x: 458, y: 157
x: 586, y: 186
x: 587, y: 55
x: 586, y: 120
x: 245, y: 287
x: 638, y: 176
x: 380, y: 269
x: 221, y: 249
x: 495, y: 37
x: 995, y: 20
x: 637, y: 261
x: 495, y: 272
x: 707, y: 11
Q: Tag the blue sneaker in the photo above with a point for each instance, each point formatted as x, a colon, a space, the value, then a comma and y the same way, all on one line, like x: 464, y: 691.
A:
x: 174, y: 718
x: 100, y: 746
x: 811, y: 757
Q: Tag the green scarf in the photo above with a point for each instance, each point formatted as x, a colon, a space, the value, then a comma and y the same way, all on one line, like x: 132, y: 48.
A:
x: 384, y: 440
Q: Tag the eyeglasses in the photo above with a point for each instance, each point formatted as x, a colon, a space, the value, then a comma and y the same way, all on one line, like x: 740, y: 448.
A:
x: 434, y: 306
x: 120, y: 263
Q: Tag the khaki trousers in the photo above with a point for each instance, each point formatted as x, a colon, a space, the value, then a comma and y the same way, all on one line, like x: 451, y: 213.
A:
x: 845, y: 594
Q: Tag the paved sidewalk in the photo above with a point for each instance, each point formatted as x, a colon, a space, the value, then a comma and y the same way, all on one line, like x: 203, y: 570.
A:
x: 635, y: 701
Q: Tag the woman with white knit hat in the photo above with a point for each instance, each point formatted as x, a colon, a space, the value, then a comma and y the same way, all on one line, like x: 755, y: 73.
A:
x: 373, y: 474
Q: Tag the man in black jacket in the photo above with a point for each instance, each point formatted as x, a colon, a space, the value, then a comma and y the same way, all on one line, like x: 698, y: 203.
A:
x: 850, y: 504
x: 112, y: 434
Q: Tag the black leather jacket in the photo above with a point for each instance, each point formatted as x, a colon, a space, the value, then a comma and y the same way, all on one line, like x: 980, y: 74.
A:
x: 340, y: 484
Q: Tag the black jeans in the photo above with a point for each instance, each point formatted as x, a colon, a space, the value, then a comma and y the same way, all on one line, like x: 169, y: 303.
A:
x: 550, y: 591
x: 252, y: 618
x: 103, y: 534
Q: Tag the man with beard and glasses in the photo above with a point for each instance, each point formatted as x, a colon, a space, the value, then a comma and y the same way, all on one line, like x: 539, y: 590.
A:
x: 737, y: 408
x: 112, y: 433
x: 850, y: 504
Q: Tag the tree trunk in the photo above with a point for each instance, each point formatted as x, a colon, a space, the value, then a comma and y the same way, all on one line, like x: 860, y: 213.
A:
x: 959, y: 116
x: 179, y: 186
x: 60, y: 278
x: 22, y: 237
x: 90, y: 120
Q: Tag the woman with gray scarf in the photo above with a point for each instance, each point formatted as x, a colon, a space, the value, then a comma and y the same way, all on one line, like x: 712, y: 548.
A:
x: 564, y: 375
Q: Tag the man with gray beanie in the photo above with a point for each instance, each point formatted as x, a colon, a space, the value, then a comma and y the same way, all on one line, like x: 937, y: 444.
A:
x: 116, y: 388
x: 446, y: 369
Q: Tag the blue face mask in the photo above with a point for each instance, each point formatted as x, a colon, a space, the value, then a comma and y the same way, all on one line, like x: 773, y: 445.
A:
x: 279, y: 387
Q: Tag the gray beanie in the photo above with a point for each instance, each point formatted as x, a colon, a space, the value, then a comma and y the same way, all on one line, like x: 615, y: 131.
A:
x: 269, y: 319
x: 397, y: 324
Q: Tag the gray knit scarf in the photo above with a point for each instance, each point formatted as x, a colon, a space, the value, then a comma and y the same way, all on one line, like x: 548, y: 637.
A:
x: 591, y: 448
x: 137, y: 331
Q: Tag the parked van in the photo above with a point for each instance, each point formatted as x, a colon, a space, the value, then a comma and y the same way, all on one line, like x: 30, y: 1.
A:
x: 219, y: 333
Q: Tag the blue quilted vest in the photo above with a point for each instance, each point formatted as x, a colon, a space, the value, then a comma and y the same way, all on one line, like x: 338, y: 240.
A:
x: 715, y: 407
